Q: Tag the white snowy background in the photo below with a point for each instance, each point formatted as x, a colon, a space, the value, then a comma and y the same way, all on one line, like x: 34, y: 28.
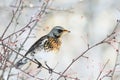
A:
x: 89, y: 21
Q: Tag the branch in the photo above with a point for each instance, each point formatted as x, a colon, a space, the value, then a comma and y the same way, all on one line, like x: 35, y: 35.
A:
x: 111, y: 36
x: 113, y: 71
x: 21, y: 30
x: 36, y: 62
x: 14, y: 14
x: 102, y: 69
x: 22, y: 70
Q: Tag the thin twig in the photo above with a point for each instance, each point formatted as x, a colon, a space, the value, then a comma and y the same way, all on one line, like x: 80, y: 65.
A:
x: 14, y: 14
x: 36, y: 62
x: 113, y: 71
x: 22, y: 70
x: 89, y: 48
x: 103, y: 69
x: 21, y: 30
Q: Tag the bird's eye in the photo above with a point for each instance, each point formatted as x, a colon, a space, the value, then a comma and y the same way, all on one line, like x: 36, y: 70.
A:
x: 59, y: 30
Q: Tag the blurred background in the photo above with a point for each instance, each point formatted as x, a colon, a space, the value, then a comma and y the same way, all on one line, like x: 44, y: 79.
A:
x: 89, y: 21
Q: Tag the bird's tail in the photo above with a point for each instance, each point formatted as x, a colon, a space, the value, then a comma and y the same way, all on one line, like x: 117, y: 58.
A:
x: 21, y: 62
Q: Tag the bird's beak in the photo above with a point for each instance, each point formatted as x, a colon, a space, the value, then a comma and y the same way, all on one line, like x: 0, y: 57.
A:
x: 66, y: 31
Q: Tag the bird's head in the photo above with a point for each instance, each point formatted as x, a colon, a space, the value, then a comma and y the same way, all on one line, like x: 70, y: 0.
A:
x: 58, y: 31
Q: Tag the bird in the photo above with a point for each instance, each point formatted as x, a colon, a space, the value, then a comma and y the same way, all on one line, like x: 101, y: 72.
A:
x: 49, y: 42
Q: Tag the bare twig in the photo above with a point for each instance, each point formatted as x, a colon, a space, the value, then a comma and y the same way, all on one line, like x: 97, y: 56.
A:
x: 111, y: 36
x: 14, y: 14
x: 106, y: 75
x: 102, y: 69
x: 113, y: 71
x: 21, y: 30
x: 22, y: 70
x: 37, y: 62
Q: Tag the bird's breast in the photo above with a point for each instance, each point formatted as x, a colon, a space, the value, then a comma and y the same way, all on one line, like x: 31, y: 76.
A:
x: 52, y: 44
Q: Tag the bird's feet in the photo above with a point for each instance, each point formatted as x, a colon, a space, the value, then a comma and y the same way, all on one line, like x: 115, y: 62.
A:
x: 50, y: 69
x: 39, y: 64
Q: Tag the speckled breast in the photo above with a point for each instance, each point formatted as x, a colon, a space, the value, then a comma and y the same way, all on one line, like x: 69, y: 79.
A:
x: 52, y: 44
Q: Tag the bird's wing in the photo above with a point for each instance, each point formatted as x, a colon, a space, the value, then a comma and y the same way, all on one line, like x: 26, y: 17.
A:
x: 39, y: 43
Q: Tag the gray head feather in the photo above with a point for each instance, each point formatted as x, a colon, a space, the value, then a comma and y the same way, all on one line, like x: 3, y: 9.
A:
x: 56, y: 31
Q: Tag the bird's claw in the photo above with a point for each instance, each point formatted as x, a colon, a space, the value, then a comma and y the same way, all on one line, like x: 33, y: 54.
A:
x: 39, y: 64
x: 50, y: 69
